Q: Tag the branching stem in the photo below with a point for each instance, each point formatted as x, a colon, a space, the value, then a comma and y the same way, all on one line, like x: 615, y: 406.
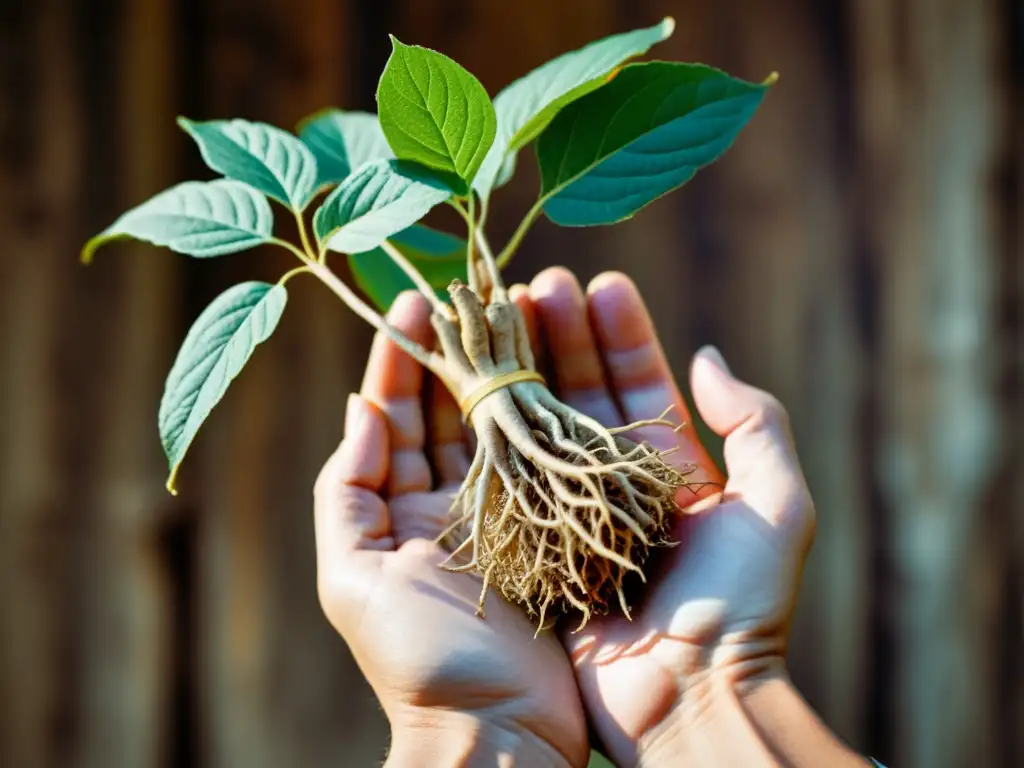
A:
x: 492, y: 266
x: 485, y: 207
x: 288, y: 246
x: 432, y: 361
x: 292, y: 273
x: 414, y: 274
x: 304, y: 238
x: 467, y: 216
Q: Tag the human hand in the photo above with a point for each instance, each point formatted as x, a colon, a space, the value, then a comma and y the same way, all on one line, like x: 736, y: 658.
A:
x: 714, y: 618
x: 456, y: 689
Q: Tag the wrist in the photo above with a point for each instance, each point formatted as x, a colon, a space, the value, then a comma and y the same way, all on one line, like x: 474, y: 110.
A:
x: 445, y: 738
x: 725, y: 718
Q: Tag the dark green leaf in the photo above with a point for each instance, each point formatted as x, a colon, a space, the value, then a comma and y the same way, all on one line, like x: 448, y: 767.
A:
x: 374, y: 203
x: 648, y: 131
x: 216, y: 349
x: 269, y: 159
x: 343, y: 142
x: 197, y: 218
x: 527, y: 106
x: 434, y: 112
x: 438, y: 256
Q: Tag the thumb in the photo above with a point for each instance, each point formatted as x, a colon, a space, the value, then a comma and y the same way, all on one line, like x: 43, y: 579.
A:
x: 760, y: 457
x: 351, y: 519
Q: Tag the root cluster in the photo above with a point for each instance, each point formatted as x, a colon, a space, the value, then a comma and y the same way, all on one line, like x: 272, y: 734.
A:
x: 557, y: 510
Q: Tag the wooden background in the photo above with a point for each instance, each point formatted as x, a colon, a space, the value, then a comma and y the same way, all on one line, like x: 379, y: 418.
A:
x: 859, y: 253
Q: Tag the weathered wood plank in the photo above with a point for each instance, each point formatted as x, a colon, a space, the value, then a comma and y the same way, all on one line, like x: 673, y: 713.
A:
x: 39, y: 172
x: 1012, y: 497
x: 880, y: 155
x: 775, y: 258
x: 279, y: 685
x: 128, y: 636
x: 928, y: 104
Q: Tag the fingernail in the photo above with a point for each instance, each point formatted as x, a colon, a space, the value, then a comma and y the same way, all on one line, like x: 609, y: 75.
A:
x: 711, y: 352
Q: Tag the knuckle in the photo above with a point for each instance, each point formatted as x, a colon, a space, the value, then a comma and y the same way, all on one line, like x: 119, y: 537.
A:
x: 768, y: 412
x: 420, y: 548
x: 330, y: 477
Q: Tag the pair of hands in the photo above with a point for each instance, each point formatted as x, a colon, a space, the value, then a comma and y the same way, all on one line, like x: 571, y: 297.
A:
x: 712, y: 625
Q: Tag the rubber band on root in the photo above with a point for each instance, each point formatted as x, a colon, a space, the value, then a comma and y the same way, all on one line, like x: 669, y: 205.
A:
x: 560, y: 512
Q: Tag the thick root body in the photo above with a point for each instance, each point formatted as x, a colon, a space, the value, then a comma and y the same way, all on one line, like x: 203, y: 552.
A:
x: 557, y: 510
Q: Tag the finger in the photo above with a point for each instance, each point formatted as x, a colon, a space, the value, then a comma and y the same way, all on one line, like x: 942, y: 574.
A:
x: 759, y: 453
x: 562, y: 314
x: 351, y: 520
x: 520, y: 296
x: 449, y: 449
x: 639, y: 373
x: 349, y: 512
x: 394, y: 383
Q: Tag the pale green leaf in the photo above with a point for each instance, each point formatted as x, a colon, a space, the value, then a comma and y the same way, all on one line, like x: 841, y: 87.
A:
x: 438, y: 256
x: 374, y: 203
x: 267, y: 158
x: 197, y: 218
x: 435, y: 113
x: 215, y: 350
x: 527, y: 106
x: 646, y: 132
x: 343, y: 142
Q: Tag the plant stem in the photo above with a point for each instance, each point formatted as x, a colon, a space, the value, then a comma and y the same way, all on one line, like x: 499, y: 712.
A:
x: 292, y: 273
x: 304, y: 238
x: 414, y: 274
x: 467, y: 216
x: 432, y: 361
x: 517, y: 237
x: 491, y: 264
x: 485, y: 208
x: 471, y: 271
x: 285, y: 244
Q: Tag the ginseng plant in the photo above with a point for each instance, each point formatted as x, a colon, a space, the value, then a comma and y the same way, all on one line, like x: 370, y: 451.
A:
x: 556, y: 509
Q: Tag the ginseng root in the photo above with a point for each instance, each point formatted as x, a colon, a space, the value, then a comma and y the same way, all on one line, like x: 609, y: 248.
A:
x: 557, y: 510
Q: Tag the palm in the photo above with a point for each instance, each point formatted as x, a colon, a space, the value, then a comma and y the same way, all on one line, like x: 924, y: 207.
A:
x: 381, y: 502
x: 725, y: 594
x: 722, y: 582
x: 417, y: 613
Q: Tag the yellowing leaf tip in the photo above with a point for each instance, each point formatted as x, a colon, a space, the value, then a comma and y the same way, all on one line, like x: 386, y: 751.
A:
x: 668, y: 26
x: 170, y: 485
x: 94, y: 244
x: 85, y: 257
x: 772, y: 79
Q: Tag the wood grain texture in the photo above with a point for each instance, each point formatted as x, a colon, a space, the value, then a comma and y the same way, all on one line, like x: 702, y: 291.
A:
x: 859, y: 253
x: 930, y: 125
x: 41, y: 166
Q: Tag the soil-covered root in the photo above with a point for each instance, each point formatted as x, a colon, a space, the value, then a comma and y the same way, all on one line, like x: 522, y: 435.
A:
x: 557, y: 510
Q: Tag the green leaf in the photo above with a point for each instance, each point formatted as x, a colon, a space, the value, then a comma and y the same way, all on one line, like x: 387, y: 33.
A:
x: 197, y: 218
x: 216, y: 349
x: 527, y: 106
x: 269, y: 159
x: 374, y: 203
x: 438, y: 256
x: 648, y: 131
x: 435, y: 113
x: 343, y: 142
